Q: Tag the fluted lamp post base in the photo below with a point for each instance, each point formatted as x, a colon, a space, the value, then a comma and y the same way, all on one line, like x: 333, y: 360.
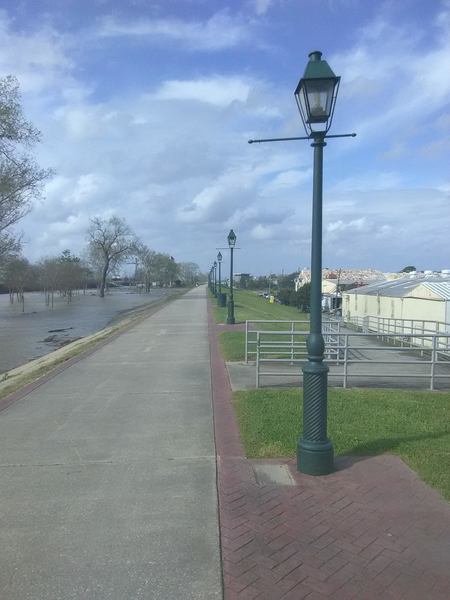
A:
x: 315, y: 455
x: 230, y: 317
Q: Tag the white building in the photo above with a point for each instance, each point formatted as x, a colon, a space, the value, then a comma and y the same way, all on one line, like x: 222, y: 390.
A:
x: 417, y: 297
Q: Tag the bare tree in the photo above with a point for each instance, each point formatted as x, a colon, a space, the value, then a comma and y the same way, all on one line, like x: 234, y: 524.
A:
x: 20, y: 177
x: 16, y: 275
x: 146, y: 265
x: 48, y: 269
x: 70, y: 273
x: 110, y: 243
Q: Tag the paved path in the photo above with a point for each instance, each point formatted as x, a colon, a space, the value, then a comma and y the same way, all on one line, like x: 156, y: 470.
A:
x: 108, y: 491
x: 370, y: 530
x: 108, y: 475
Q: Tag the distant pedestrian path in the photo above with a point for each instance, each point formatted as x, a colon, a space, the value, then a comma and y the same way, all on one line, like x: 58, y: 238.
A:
x: 108, y: 475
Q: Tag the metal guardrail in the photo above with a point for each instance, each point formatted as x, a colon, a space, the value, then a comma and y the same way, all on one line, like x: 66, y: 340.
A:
x: 293, y: 328
x: 346, y: 355
x: 400, y: 327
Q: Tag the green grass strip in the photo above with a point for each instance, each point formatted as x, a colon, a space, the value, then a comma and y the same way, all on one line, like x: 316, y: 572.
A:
x: 413, y: 425
x: 248, y: 305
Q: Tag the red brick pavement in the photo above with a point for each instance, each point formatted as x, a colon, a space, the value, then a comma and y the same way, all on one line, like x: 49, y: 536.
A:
x: 371, y: 530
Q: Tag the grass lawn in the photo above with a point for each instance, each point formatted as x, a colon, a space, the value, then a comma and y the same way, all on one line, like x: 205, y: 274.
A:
x: 248, y: 305
x: 414, y: 425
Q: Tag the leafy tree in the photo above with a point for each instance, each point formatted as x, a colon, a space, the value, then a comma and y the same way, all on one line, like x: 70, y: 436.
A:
x: 303, y: 297
x: 166, y: 269
x: 110, y: 243
x: 20, y: 177
x: 259, y: 283
x: 189, y: 272
x: 408, y: 269
x: 244, y: 281
x: 287, y: 281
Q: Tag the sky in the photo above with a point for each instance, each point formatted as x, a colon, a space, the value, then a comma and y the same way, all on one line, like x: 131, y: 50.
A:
x: 146, y: 107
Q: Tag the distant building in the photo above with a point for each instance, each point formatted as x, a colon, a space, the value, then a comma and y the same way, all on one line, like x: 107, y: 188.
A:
x: 345, y: 277
x: 416, y: 297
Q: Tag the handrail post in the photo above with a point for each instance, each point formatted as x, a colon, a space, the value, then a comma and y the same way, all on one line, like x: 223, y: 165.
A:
x: 433, y: 363
x: 292, y: 342
x: 246, y: 342
x: 257, y: 359
x: 345, y: 359
x: 338, y: 348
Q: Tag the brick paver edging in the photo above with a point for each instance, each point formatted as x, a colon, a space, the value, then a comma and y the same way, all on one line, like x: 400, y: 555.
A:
x: 371, y: 530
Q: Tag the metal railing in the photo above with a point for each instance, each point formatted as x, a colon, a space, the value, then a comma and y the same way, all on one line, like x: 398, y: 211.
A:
x: 390, y: 329
x: 354, y: 349
x: 292, y: 328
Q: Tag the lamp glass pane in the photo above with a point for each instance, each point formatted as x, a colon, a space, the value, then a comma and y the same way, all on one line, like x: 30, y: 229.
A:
x: 319, y: 93
x: 231, y: 239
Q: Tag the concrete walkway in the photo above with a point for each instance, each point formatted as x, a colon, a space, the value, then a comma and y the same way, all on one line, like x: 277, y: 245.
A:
x: 108, y: 475
x: 108, y: 491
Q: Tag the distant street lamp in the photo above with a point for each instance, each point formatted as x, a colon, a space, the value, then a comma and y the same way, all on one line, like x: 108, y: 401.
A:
x: 219, y: 262
x: 316, y: 98
x: 215, y: 278
x: 231, y: 244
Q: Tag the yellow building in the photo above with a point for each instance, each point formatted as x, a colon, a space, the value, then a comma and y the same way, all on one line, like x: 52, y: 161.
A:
x: 418, y: 298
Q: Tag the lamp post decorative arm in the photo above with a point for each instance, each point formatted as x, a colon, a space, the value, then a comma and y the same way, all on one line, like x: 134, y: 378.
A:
x: 304, y: 137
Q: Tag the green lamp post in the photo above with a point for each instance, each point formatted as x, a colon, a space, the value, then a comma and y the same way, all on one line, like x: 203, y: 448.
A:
x: 231, y: 244
x: 219, y: 262
x: 215, y: 278
x: 316, y: 97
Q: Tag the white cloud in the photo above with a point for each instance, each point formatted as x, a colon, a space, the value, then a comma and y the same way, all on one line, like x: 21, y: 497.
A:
x: 175, y: 163
x: 261, y: 6
x: 354, y: 225
x: 368, y: 181
x: 287, y: 179
x: 391, y: 69
x: 216, y: 33
x: 261, y: 232
x: 39, y: 59
x: 219, y: 91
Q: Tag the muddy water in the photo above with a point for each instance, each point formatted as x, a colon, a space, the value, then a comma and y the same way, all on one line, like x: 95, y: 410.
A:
x: 38, y: 330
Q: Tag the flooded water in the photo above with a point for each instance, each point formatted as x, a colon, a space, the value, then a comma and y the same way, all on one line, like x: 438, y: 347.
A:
x: 41, y: 329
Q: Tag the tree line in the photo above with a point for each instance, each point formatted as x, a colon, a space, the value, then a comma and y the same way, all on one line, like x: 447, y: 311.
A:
x: 110, y: 242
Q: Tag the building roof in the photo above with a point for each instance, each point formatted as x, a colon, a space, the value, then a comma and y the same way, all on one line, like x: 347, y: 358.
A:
x: 406, y: 286
x: 441, y: 288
